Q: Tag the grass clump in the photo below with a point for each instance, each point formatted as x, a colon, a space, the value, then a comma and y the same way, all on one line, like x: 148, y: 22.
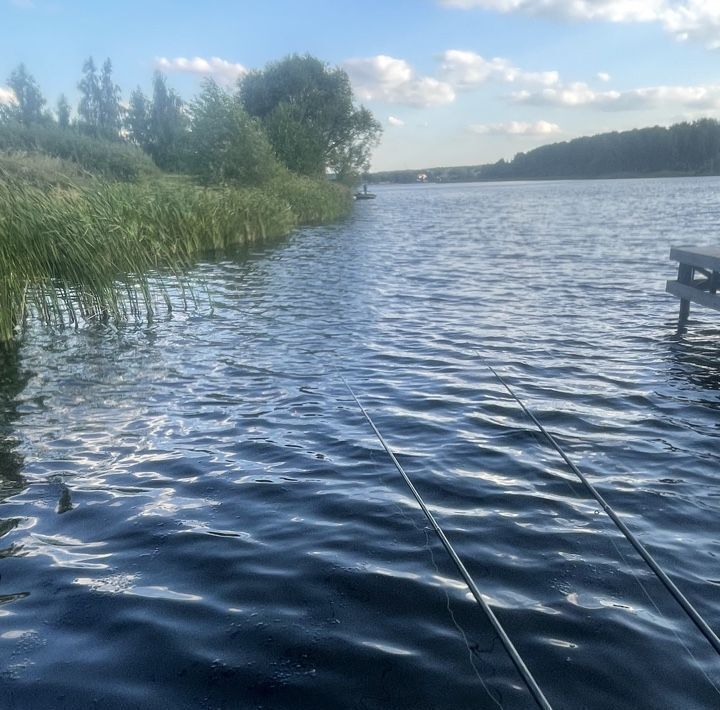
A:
x: 113, y: 160
x: 91, y: 251
x: 312, y: 201
x: 43, y: 171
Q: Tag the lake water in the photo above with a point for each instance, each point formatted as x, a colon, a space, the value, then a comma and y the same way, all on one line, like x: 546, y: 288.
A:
x: 196, y: 515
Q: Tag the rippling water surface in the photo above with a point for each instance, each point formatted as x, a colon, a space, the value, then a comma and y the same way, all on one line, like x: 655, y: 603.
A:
x: 195, y: 515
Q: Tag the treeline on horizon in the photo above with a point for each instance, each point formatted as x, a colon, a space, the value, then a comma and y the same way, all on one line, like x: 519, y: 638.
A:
x: 298, y: 113
x: 682, y: 149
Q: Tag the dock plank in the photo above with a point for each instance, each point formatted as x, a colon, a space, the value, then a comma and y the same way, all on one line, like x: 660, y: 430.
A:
x: 690, y: 293
x: 703, y: 257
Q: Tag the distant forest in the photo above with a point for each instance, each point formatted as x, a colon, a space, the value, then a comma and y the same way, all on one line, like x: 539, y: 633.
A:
x: 682, y: 149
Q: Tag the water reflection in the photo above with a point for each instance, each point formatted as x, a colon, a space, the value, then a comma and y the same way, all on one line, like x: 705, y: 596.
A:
x: 695, y: 356
x: 12, y: 382
x: 225, y: 490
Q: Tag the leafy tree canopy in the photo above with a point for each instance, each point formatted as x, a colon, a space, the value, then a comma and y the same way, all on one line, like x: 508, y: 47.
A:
x: 137, y: 119
x: 88, y: 108
x: 109, y: 103
x: 298, y: 112
x: 28, y: 108
x: 310, y: 116
x: 226, y: 144
x: 99, y: 108
x: 168, y: 123
x: 63, y: 112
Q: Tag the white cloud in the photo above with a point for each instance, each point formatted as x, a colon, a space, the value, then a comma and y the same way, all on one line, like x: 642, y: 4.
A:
x: 397, y: 122
x: 580, y: 94
x: 603, y: 76
x: 516, y: 128
x: 694, y: 20
x: 576, y: 94
x: 465, y: 69
x: 7, y: 95
x: 611, y: 10
x: 383, y: 78
x: 683, y: 19
x: 222, y: 70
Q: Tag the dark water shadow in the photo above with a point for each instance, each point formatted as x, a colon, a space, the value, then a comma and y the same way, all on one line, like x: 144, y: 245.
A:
x: 12, y: 382
x: 694, y: 356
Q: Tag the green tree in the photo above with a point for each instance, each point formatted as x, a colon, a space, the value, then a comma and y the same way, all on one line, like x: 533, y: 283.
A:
x: 63, y: 112
x: 137, y: 119
x: 29, y: 102
x: 310, y: 116
x: 99, y: 108
x: 108, y: 103
x: 168, y: 124
x: 89, y: 106
x: 225, y: 143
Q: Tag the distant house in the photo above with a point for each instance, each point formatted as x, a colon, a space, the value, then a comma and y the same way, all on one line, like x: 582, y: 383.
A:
x: 422, y: 177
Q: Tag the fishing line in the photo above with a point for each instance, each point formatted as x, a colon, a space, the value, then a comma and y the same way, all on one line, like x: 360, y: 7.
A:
x: 532, y: 685
x: 657, y: 609
x: 451, y: 614
x: 425, y: 530
x: 689, y: 609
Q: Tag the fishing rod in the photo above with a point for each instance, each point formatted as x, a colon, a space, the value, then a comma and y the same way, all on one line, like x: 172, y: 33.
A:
x: 689, y: 609
x: 532, y: 685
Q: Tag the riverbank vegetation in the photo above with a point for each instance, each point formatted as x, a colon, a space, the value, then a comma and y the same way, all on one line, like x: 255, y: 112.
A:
x: 97, y: 207
x: 684, y: 149
x: 91, y: 252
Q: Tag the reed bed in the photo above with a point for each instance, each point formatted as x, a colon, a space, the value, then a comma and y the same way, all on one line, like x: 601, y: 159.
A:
x: 312, y: 201
x: 41, y: 170
x: 73, y: 254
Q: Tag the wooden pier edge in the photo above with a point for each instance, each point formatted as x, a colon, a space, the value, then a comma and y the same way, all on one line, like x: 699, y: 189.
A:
x: 698, y: 278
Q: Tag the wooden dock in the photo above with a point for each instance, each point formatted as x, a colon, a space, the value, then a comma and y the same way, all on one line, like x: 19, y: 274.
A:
x: 698, y: 278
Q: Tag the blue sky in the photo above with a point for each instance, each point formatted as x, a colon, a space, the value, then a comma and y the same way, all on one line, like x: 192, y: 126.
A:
x: 454, y: 82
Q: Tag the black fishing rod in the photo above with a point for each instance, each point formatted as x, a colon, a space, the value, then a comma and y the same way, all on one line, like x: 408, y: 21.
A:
x: 532, y: 685
x: 689, y: 609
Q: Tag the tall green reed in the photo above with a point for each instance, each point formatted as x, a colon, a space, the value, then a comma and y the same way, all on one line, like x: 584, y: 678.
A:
x: 94, y: 252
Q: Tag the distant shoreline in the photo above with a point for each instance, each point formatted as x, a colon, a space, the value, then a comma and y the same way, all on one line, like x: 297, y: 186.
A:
x: 547, y: 178
x: 682, y: 150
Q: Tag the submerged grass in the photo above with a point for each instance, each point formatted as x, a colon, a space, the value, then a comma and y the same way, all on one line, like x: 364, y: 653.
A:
x: 91, y: 251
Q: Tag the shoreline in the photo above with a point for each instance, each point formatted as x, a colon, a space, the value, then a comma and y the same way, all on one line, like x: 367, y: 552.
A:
x: 77, y: 253
x: 547, y: 178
